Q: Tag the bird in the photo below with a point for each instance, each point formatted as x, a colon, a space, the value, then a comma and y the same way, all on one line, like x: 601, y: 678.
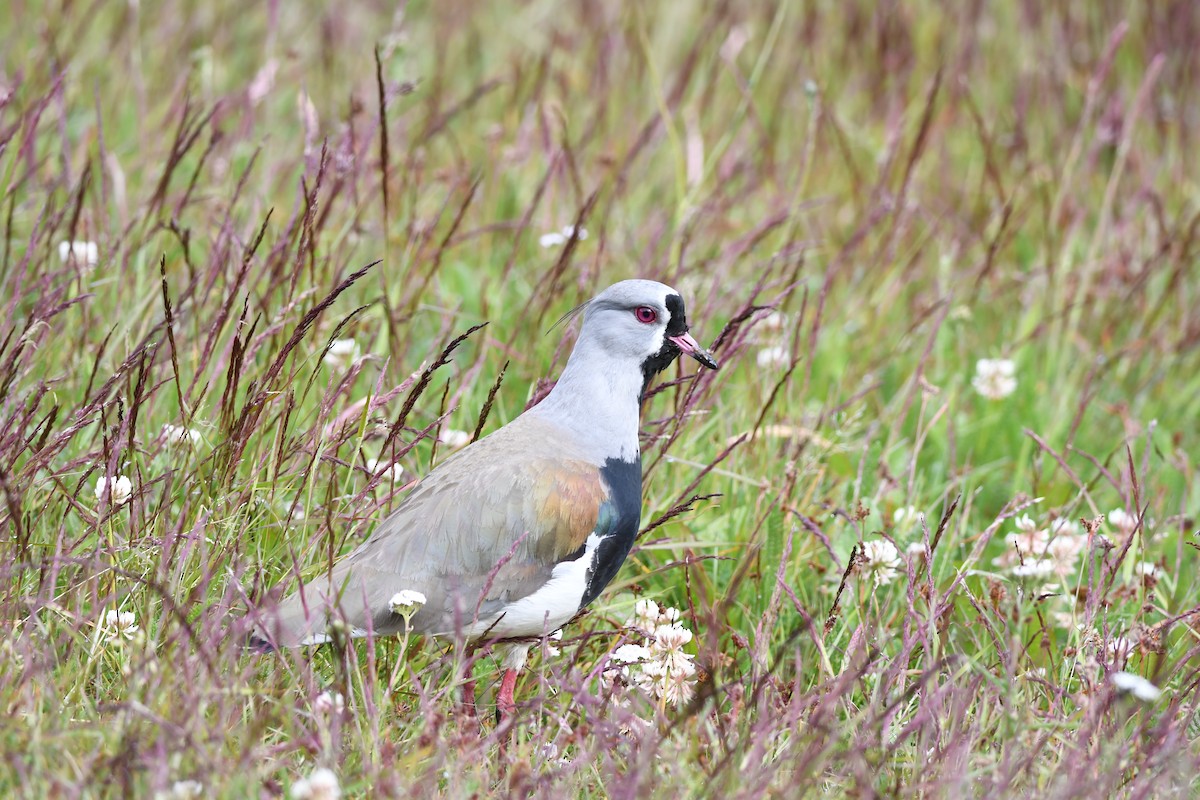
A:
x: 512, y: 536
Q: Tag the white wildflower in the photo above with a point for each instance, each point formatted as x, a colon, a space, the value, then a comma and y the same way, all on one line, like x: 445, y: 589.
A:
x: 341, y: 352
x: 667, y: 647
x: 1137, y: 686
x: 659, y: 666
x: 645, y: 616
x: 773, y: 357
x: 1119, y: 649
x: 883, y: 560
x: 678, y: 687
x: 322, y: 784
x: 916, y: 549
x: 1122, y: 520
x: 669, y: 616
x: 559, y: 238
x: 961, y: 313
x: 905, y: 515
x: 1144, y: 569
x: 1029, y: 542
x: 668, y: 680
x: 454, y: 439
x: 995, y: 378
x: 1034, y: 568
x: 671, y: 637
x: 391, y: 470
x: 329, y: 703
x: 81, y: 254
x: 631, y: 654
x: 1063, y: 526
x: 775, y: 322
x: 406, y: 602
x: 1063, y: 619
x: 121, y: 488
x: 178, y: 433
x: 1025, y: 524
x: 117, y: 625
x: 182, y: 790
x: 1063, y: 551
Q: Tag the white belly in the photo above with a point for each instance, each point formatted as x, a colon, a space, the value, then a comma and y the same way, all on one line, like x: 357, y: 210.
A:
x: 547, y: 609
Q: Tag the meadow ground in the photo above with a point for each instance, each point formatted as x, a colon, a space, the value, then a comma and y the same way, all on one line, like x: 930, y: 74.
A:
x: 932, y: 528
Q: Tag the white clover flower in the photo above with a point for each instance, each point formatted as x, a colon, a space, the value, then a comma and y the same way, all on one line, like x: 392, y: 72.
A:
x: 1119, y: 649
x: 774, y: 356
x: 182, y: 790
x: 454, y: 439
x: 678, y: 687
x: 961, y: 313
x: 1137, y: 686
x: 178, y: 433
x: 671, y: 637
x: 669, y: 679
x: 1025, y: 524
x: 1063, y: 526
x: 406, y: 602
x: 1063, y: 619
x: 342, y: 352
x: 390, y: 470
x: 559, y: 238
x: 631, y: 654
x: 1144, y: 569
x: 1029, y: 542
x: 81, y: 254
x: 905, y: 515
x: 117, y: 625
x: 1034, y: 568
x: 659, y: 666
x: 329, y: 703
x: 1122, y: 520
x: 1063, y: 551
x: 915, y: 549
x: 645, y: 616
x: 667, y: 647
x: 775, y: 322
x: 121, y: 488
x: 883, y: 560
x: 994, y: 378
x: 669, y: 616
x: 321, y: 784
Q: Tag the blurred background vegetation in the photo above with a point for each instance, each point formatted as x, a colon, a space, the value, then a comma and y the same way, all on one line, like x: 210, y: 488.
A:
x: 859, y: 203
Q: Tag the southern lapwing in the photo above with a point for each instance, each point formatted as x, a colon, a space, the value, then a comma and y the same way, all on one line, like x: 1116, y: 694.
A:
x: 511, y: 537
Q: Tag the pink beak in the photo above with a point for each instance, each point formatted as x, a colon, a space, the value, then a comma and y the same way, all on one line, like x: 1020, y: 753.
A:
x: 691, y: 347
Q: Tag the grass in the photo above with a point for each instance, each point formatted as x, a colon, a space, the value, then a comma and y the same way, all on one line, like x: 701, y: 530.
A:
x: 914, y: 188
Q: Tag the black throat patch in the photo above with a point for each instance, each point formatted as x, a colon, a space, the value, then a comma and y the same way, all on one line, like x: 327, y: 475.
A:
x: 676, y: 326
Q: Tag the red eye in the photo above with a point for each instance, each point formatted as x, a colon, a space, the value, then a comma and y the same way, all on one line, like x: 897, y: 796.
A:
x: 645, y: 314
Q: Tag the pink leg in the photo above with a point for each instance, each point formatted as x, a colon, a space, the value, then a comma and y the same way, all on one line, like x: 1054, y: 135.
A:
x: 506, y: 706
x: 468, y: 696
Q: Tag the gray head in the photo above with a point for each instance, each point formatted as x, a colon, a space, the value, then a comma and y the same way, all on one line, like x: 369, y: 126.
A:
x: 644, y: 322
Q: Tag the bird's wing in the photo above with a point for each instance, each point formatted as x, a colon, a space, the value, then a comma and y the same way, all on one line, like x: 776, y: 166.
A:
x: 484, y: 529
